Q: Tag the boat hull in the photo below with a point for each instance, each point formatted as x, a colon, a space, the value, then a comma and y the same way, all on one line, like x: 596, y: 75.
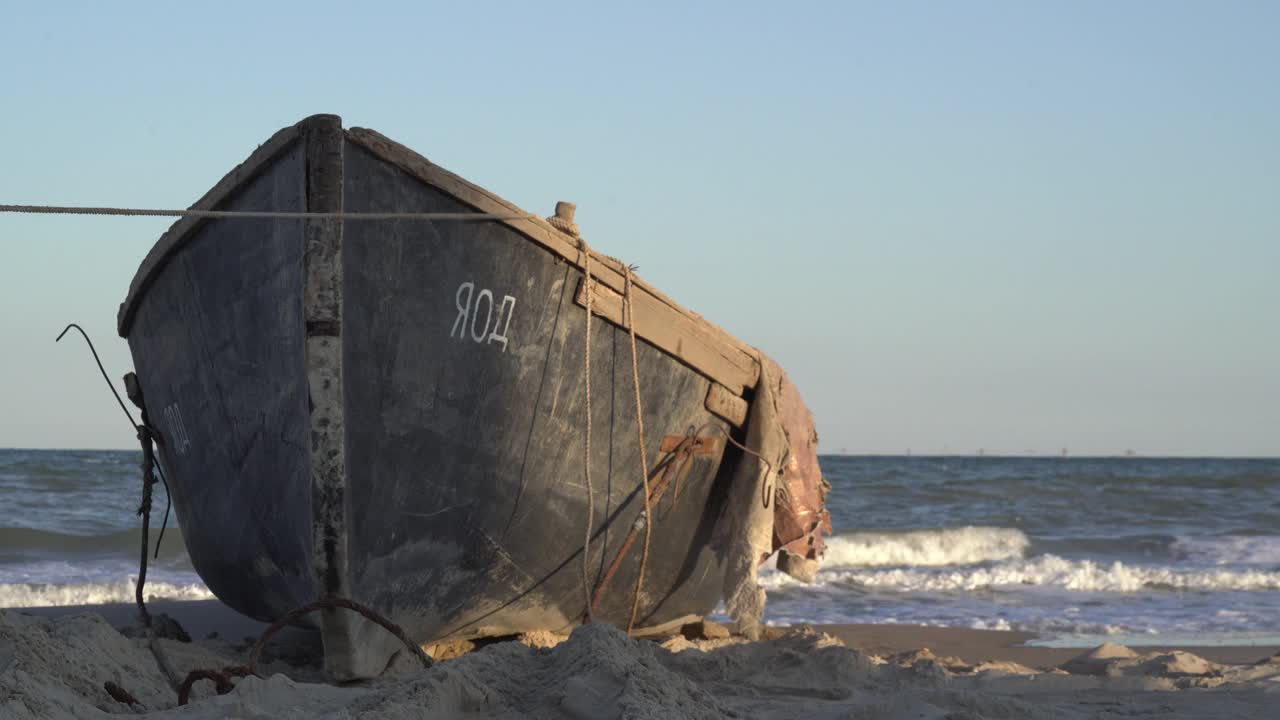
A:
x: 420, y: 448
x: 466, y: 396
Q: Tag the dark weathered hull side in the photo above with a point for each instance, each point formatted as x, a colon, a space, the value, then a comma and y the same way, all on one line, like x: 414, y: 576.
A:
x: 465, y: 452
x: 444, y: 363
x: 217, y: 342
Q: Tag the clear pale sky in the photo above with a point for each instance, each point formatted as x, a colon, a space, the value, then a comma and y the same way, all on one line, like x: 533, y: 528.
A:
x: 1010, y: 226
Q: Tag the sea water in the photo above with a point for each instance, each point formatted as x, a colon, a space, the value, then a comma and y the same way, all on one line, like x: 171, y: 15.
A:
x: 1138, y: 550
x: 70, y: 533
x: 1077, y: 550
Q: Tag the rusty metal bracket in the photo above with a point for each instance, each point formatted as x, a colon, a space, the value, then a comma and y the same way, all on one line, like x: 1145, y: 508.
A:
x: 690, y: 444
x: 680, y: 449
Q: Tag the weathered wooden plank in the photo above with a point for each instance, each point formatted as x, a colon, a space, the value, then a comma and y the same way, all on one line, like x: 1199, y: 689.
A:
x: 720, y: 356
x: 346, y: 655
x: 322, y: 311
x: 676, y: 334
x: 722, y: 402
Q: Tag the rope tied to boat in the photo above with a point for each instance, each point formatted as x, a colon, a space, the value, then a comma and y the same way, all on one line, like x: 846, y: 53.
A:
x: 329, y: 603
x: 586, y: 461
x: 136, y: 397
x: 258, y: 214
x: 644, y: 462
x: 222, y: 678
x: 563, y: 220
x: 765, y: 495
x: 144, y: 511
x: 147, y: 437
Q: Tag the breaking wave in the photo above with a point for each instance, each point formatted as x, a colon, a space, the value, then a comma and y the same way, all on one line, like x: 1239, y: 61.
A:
x: 1045, y: 571
x: 1229, y: 549
x: 925, y: 548
x: 17, y: 595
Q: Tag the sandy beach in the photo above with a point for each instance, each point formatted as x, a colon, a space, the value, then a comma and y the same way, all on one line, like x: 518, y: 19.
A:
x: 55, y: 662
x: 836, y: 360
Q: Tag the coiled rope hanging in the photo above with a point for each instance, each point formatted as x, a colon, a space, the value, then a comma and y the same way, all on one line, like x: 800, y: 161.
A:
x: 644, y: 462
x: 645, y: 517
x: 150, y: 468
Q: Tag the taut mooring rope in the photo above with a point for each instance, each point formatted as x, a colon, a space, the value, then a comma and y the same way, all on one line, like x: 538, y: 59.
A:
x: 280, y: 215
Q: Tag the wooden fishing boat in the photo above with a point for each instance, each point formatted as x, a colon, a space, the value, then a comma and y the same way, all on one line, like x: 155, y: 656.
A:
x: 383, y: 401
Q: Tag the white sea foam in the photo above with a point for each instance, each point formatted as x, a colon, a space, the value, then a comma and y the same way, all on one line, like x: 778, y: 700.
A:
x: 93, y: 593
x: 997, y: 624
x: 925, y: 548
x: 1230, y: 549
x: 1045, y: 571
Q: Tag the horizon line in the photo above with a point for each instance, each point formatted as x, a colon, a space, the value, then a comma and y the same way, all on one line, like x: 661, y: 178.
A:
x: 866, y: 454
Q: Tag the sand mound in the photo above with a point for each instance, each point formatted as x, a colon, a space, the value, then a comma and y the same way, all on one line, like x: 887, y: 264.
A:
x: 1176, y: 664
x: 57, y: 669
x: 1101, y: 660
x: 597, y: 673
x: 1119, y: 661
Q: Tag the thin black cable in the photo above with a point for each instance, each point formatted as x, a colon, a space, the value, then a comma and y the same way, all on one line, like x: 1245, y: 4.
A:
x: 102, y: 370
x: 168, y: 503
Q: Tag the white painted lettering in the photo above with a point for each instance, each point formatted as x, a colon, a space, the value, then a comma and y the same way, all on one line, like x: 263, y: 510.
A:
x: 180, y: 442
x: 464, y: 306
x: 497, y: 316
x: 507, y: 308
x: 488, y: 315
